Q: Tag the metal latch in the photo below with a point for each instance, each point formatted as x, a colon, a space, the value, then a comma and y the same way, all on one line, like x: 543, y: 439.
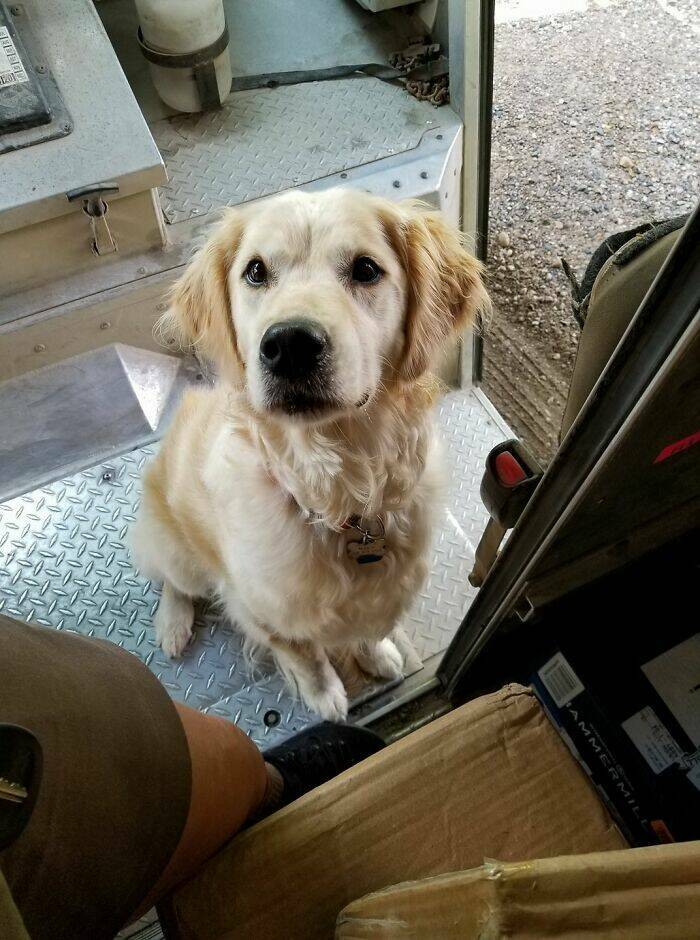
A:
x: 510, y: 479
x: 96, y: 209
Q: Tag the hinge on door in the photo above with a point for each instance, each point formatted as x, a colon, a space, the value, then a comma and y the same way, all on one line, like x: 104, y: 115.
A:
x: 96, y: 209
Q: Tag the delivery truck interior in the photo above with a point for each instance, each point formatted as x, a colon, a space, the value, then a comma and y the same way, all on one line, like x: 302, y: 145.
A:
x: 120, y: 137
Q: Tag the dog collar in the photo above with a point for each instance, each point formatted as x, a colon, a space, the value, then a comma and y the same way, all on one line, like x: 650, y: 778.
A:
x: 367, y: 549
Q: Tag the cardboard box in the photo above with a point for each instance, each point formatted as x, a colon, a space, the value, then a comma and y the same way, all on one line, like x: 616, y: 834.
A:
x: 631, y: 716
x: 490, y: 779
x: 635, y: 894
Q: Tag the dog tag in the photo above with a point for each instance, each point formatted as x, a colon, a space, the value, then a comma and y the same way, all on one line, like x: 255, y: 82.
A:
x: 367, y: 551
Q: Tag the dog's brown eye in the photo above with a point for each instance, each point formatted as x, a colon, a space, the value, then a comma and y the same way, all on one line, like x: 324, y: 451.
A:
x: 256, y: 272
x: 365, y: 270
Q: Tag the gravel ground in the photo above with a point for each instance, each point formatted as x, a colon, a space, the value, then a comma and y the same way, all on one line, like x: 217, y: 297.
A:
x: 596, y: 128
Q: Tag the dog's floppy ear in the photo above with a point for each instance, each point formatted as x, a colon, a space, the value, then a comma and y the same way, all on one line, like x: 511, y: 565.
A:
x: 199, y: 315
x: 445, y: 289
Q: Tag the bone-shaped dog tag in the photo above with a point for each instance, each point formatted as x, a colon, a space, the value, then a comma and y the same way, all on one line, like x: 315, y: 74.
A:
x: 367, y: 551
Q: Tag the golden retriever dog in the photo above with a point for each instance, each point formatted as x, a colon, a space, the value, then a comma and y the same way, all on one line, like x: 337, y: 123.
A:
x: 301, y: 489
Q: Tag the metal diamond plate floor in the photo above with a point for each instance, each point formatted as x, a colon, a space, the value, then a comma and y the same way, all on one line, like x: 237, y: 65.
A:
x: 270, y: 139
x: 64, y: 563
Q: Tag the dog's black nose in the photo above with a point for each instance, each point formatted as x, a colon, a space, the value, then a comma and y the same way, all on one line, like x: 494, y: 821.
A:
x: 293, y: 349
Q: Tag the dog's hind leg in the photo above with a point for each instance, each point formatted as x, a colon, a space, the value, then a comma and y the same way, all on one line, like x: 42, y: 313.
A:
x: 173, y: 620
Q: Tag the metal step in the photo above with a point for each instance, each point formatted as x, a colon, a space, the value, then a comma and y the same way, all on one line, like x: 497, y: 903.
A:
x: 264, y: 141
x: 64, y: 563
x: 64, y: 417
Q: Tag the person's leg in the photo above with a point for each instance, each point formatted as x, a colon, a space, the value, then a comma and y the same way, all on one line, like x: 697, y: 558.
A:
x: 114, y: 781
x: 232, y: 782
x: 134, y: 790
x: 229, y: 783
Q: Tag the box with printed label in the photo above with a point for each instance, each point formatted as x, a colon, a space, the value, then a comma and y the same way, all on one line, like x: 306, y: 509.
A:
x: 634, y: 725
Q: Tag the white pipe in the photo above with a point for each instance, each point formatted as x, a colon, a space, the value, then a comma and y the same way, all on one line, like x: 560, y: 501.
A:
x: 180, y: 27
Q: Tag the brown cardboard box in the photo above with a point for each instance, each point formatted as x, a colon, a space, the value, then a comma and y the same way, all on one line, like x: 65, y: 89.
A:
x: 490, y: 780
x: 634, y: 894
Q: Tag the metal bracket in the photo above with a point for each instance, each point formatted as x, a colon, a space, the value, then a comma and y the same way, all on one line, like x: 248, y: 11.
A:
x: 423, y: 64
x: 201, y: 62
x: 96, y: 209
x: 486, y: 552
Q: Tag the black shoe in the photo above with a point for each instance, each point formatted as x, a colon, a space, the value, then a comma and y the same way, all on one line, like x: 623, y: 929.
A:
x: 318, y: 754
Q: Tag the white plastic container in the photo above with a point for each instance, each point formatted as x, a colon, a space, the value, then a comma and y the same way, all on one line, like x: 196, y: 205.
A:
x: 182, y: 27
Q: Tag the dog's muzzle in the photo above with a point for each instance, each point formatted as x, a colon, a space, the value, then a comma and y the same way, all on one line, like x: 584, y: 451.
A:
x: 294, y: 349
x: 296, y: 360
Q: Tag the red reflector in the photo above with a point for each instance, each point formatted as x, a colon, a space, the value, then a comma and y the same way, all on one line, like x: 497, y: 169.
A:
x: 508, y: 470
x: 678, y: 446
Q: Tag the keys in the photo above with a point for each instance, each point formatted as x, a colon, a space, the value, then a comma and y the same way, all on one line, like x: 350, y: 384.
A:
x: 11, y: 792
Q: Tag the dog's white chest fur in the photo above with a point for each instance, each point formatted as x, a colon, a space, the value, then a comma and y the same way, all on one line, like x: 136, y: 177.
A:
x: 294, y: 573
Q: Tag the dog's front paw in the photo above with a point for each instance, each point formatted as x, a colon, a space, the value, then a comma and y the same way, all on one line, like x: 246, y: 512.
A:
x: 332, y: 704
x: 173, y: 622
x: 173, y: 641
x: 330, y: 701
x: 382, y: 660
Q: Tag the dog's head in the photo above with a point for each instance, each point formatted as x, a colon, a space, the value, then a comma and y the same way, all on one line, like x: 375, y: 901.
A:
x: 316, y: 301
